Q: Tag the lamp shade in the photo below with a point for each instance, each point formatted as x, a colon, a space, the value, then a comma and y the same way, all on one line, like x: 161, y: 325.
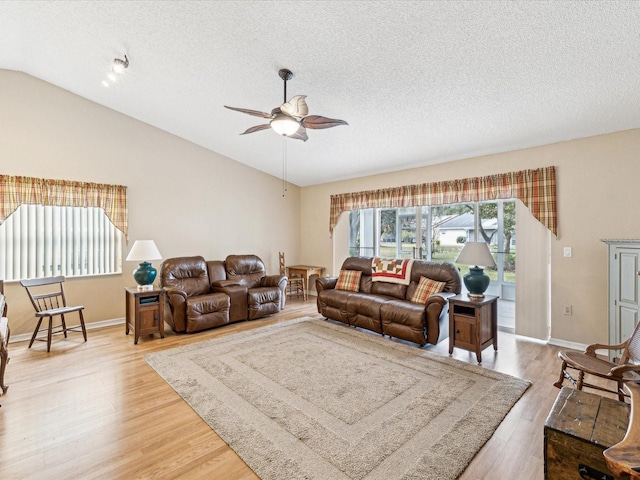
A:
x: 142, y: 251
x: 284, y: 124
x: 476, y: 253
x: 476, y: 281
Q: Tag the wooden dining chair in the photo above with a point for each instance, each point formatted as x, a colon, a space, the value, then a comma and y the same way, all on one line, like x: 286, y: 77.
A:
x: 48, y: 299
x: 625, y: 370
x: 295, y: 283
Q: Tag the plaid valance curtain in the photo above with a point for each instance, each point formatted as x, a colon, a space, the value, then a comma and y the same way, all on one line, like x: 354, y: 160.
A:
x: 536, y: 189
x: 15, y: 191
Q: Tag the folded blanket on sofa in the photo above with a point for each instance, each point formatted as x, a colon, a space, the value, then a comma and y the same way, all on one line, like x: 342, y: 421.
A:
x: 396, y: 270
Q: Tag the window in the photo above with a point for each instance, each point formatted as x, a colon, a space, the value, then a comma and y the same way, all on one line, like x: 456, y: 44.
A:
x: 438, y: 233
x: 45, y: 241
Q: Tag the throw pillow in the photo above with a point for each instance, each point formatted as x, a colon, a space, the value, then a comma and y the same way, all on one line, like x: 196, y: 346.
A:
x: 426, y: 288
x: 349, y: 280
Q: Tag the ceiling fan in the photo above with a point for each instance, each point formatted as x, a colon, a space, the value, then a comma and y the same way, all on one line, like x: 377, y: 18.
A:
x: 291, y: 119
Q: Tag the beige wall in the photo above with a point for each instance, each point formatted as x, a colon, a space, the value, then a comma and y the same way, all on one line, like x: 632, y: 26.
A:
x: 190, y: 200
x: 597, y: 198
x: 186, y: 198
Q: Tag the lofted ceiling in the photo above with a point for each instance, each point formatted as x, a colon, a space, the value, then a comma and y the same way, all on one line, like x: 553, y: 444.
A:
x: 419, y: 82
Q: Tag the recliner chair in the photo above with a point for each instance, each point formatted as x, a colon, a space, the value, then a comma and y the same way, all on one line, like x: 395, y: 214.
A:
x: 265, y: 294
x: 206, y: 294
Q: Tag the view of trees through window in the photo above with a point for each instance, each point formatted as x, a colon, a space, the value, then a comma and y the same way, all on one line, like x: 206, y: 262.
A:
x: 438, y: 233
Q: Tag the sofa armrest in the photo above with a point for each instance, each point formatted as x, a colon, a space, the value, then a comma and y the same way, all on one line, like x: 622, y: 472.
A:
x: 175, y: 295
x: 325, y: 283
x: 274, y: 281
x: 435, y: 309
x: 436, y: 298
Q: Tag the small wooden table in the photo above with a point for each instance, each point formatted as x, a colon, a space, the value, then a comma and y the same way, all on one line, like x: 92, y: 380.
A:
x: 305, y: 271
x: 473, y: 323
x: 145, y: 312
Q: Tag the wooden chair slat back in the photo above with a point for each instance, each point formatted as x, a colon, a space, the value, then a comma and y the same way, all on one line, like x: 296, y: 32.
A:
x: 54, y: 297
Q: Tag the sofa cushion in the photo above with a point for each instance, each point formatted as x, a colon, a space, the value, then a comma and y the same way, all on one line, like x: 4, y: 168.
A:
x: 188, y: 274
x: 264, y: 301
x: 402, y: 319
x: 332, y: 303
x: 362, y: 264
x: 389, y: 289
x: 363, y: 310
x: 426, y: 288
x: 246, y: 269
x: 207, y: 311
x: 349, y: 280
x: 442, y: 272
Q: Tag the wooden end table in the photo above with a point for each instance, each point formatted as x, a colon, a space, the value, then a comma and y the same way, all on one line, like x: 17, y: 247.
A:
x: 306, y: 271
x: 145, y: 312
x: 473, y: 323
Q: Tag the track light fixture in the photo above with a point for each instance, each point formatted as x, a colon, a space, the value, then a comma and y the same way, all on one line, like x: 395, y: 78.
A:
x: 119, y: 65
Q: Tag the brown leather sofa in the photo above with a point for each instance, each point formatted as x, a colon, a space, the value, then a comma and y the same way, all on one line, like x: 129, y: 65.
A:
x: 206, y: 294
x: 386, y: 308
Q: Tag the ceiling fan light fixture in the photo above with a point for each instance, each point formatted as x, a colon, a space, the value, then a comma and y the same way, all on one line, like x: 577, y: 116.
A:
x: 284, y: 124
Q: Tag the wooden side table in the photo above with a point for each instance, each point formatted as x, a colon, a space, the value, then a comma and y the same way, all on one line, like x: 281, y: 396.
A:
x: 145, y: 312
x: 306, y: 271
x: 473, y: 324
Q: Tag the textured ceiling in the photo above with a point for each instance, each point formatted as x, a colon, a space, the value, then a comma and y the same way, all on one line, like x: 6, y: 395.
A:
x: 419, y: 82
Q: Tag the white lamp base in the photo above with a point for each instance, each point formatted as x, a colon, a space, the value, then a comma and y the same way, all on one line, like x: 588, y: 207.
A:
x: 145, y: 288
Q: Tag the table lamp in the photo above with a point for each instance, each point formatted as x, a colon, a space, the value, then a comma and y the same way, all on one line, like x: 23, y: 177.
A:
x: 476, y: 281
x: 145, y: 274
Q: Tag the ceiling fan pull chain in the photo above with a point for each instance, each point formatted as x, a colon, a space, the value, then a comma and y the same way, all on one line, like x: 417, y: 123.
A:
x: 284, y: 165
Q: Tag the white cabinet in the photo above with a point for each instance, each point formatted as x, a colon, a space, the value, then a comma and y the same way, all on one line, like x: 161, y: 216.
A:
x: 624, y: 288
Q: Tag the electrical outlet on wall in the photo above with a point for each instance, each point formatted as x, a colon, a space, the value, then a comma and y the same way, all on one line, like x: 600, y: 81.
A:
x: 568, y: 310
x: 567, y: 251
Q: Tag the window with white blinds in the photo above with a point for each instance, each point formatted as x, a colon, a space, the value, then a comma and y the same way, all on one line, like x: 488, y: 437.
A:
x: 44, y: 241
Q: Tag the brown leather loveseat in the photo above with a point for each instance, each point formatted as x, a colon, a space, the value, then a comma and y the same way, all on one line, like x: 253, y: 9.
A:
x: 386, y: 308
x: 206, y: 294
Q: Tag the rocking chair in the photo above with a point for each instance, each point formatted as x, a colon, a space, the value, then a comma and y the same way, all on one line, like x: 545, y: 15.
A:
x: 625, y: 370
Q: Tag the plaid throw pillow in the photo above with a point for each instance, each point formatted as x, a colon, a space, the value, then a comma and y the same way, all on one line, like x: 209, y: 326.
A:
x: 349, y: 280
x: 426, y: 288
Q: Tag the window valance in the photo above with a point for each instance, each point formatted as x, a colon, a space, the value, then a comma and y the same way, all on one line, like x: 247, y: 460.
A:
x: 15, y: 191
x: 536, y: 189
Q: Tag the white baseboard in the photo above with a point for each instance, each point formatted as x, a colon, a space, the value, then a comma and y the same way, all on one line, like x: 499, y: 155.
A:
x: 564, y: 343
x: 90, y: 326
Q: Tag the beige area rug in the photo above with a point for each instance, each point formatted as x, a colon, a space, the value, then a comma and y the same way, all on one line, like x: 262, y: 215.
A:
x: 309, y: 399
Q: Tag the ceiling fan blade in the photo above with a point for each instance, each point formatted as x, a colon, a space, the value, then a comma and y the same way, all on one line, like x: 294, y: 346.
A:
x: 301, y: 134
x: 257, y: 128
x: 318, y: 122
x: 255, y: 113
x: 296, y: 107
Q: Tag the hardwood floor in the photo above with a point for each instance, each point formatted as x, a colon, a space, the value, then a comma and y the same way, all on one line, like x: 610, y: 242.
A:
x: 97, y: 410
